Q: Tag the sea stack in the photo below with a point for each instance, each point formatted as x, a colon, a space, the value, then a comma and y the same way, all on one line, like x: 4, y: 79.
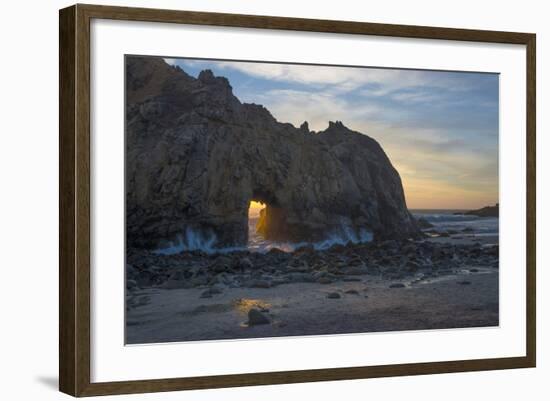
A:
x: 196, y: 157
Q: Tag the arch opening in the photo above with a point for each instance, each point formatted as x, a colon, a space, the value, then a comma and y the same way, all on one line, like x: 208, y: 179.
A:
x: 257, y: 224
x: 266, y: 223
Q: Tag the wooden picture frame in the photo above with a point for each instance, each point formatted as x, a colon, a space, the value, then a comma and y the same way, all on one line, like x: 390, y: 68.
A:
x: 74, y: 204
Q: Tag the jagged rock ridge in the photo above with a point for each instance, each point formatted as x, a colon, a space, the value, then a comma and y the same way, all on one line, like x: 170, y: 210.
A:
x: 196, y: 156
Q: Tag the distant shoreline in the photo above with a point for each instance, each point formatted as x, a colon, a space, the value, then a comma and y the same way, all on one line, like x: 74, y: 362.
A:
x: 484, y: 212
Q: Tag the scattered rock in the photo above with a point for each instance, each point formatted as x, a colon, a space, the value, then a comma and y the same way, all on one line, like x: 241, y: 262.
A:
x: 397, y: 261
x: 245, y: 263
x: 412, y: 266
x: 337, y: 248
x: 353, y: 292
x: 131, y: 272
x: 143, y: 300
x: 255, y: 317
x: 211, y: 291
x: 173, y: 284
x: 351, y: 279
x: 333, y: 295
x: 355, y: 270
x: 423, y: 223
x: 397, y: 285
x: 259, y: 283
x: 197, y: 281
x: 279, y: 281
x: 276, y: 252
x: 296, y: 277
x: 464, y: 282
x: 131, y: 285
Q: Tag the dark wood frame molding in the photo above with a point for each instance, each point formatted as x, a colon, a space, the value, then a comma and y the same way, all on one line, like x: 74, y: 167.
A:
x: 74, y: 199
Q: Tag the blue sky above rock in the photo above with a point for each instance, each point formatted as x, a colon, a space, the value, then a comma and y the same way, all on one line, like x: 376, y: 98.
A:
x: 439, y: 129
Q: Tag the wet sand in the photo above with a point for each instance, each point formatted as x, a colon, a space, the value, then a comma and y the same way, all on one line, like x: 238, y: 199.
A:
x: 460, y: 299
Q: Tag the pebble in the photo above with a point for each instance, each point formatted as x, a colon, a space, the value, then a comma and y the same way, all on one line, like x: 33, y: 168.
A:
x: 259, y: 284
x: 355, y: 270
x: 131, y: 284
x: 216, y: 289
x: 246, y: 263
x: 395, y: 261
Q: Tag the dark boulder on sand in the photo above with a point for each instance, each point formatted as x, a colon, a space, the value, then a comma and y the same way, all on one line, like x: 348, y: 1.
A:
x: 255, y: 317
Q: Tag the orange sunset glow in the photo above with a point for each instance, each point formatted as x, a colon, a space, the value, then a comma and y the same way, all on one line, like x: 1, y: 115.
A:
x: 254, y: 208
x: 439, y: 129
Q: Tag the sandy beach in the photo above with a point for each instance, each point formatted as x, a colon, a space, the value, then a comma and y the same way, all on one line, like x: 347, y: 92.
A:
x: 447, y: 283
x: 304, y: 309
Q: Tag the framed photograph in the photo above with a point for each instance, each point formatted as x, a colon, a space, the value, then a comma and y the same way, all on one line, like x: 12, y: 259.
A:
x: 250, y: 200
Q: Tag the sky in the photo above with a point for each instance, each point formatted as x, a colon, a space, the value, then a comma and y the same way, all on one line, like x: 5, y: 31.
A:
x: 439, y: 128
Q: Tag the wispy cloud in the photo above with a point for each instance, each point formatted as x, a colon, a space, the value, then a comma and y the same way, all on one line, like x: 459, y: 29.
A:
x: 340, y: 79
x: 297, y: 106
x: 440, y: 129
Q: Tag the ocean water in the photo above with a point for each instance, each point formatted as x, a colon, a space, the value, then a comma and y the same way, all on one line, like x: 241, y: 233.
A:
x: 445, y: 220
x: 257, y: 243
x: 206, y: 242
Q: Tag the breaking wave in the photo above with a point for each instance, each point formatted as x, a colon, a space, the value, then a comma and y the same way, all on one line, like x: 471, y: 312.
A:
x: 192, y: 240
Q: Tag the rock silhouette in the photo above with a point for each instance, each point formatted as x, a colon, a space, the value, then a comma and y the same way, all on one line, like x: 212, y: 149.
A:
x: 487, y: 211
x: 196, y: 156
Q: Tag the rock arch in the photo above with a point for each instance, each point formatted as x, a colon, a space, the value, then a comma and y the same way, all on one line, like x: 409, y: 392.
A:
x: 196, y: 156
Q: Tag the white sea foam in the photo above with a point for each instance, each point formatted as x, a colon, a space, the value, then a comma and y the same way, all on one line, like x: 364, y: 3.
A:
x: 192, y: 240
x: 206, y: 241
